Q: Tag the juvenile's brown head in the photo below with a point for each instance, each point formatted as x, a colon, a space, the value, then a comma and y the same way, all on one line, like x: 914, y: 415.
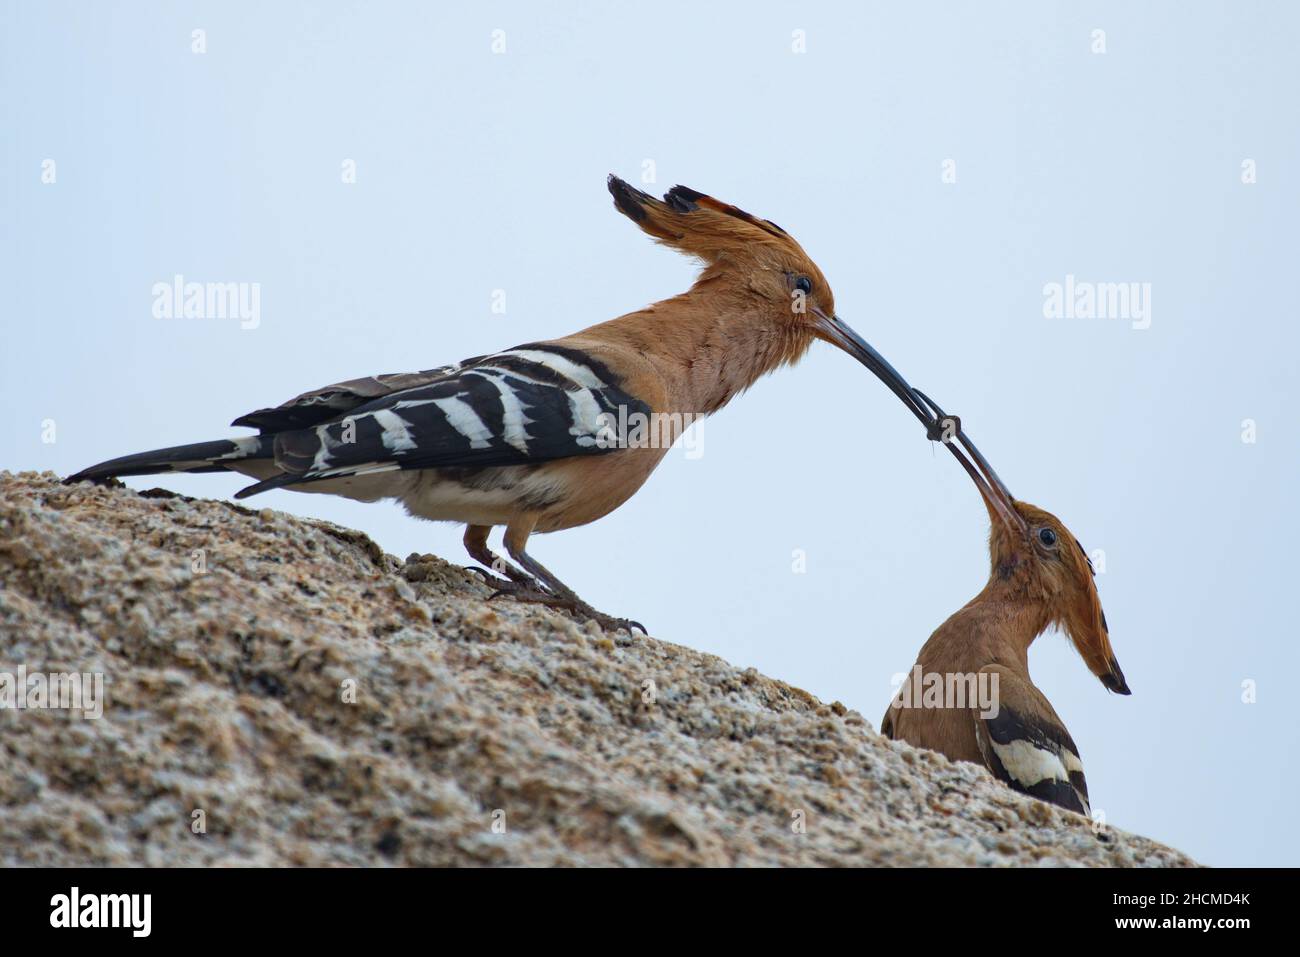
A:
x: 749, y: 257
x: 1041, y: 557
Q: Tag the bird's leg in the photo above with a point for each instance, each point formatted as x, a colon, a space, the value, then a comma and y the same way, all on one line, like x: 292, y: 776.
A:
x: 476, y: 537
x: 557, y: 594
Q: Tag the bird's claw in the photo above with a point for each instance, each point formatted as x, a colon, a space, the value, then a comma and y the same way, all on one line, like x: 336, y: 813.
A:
x: 609, y: 623
x: 535, y: 594
x: 489, y: 578
x: 523, y: 593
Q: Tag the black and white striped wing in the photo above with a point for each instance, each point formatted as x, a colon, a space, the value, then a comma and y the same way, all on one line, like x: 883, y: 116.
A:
x: 1026, y: 746
x: 531, y: 404
x: 329, y: 402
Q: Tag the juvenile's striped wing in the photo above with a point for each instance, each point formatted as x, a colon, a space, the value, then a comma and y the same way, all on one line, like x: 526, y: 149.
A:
x: 534, y: 403
x: 1027, y: 746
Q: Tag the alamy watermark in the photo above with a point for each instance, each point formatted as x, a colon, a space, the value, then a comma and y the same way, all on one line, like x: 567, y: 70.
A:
x: 942, y: 690
x: 133, y: 912
x: 179, y: 299
x: 62, y: 690
x: 650, y: 430
x: 1074, y: 299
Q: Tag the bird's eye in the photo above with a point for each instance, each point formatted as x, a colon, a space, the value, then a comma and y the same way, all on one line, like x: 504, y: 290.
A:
x: 1047, y: 537
x: 803, y: 284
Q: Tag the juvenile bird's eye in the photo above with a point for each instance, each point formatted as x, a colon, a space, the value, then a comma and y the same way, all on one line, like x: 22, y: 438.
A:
x: 1047, y: 537
x: 803, y: 284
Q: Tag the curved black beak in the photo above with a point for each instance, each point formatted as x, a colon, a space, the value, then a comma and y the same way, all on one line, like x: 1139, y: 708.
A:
x: 938, y: 426
x: 837, y: 332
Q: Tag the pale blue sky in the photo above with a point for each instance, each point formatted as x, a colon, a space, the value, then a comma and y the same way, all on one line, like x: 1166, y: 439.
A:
x: 479, y: 171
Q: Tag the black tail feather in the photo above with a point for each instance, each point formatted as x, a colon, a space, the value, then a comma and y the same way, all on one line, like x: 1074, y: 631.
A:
x: 199, y: 457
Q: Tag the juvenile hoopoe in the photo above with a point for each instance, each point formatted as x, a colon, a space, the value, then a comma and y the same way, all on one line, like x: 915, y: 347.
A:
x: 529, y: 438
x: 1040, y: 576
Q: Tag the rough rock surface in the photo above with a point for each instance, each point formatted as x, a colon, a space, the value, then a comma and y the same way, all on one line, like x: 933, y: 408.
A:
x: 320, y: 702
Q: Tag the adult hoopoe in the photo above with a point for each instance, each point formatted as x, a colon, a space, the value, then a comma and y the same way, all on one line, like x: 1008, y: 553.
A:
x: 532, y: 438
x: 1040, y: 576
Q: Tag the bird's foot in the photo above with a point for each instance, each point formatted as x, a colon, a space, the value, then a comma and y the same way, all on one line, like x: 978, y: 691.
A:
x: 488, y: 577
x: 538, y: 595
x: 580, y: 609
x: 520, y: 591
x: 504, y: 586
